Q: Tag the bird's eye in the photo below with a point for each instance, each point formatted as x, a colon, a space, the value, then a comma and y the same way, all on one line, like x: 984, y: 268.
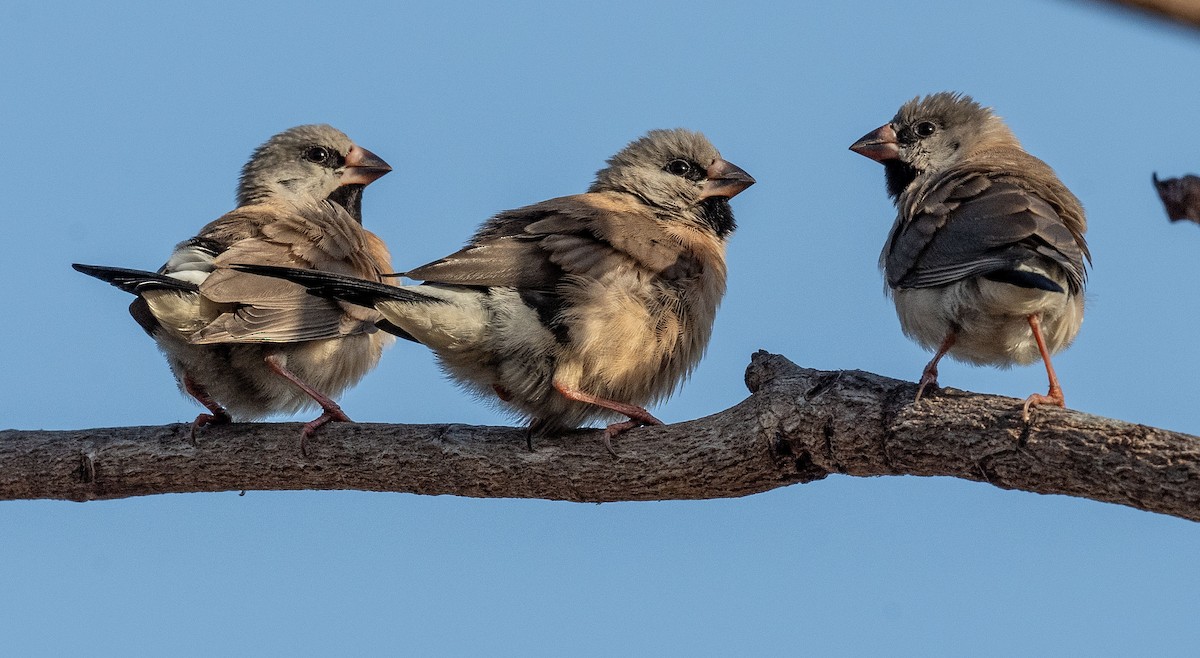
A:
x: 679, y: 167
x: 925, y: 128
x: 317, y: 154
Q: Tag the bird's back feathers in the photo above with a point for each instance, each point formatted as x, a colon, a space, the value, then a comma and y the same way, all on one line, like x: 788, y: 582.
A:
x: 535, y: 246
x: 979, y: 220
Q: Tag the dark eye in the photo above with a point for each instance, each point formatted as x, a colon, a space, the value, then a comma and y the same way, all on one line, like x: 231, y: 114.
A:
x: 318, y: 154
x: 679, y: 167
x: 925, y: 128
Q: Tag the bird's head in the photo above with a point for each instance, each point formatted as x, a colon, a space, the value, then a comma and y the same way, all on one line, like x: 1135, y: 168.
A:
x: 930, y: 135
x: 307, y: 164
x: 679, y: 173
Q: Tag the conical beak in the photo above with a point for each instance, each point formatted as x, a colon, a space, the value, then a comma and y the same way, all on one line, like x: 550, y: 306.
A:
x: 880, y: 144
x: 724, y: 179
x: 363, y: 167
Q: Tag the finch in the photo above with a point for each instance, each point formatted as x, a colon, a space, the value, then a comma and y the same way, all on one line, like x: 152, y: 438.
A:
x: 581, y: 307
x: 986, y: 258
x: 245, y: 346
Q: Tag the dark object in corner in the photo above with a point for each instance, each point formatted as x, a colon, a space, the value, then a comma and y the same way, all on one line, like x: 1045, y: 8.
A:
x: 1180, y: 196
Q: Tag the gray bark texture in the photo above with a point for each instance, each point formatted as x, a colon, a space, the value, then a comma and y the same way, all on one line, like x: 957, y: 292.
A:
x: 797, y: 426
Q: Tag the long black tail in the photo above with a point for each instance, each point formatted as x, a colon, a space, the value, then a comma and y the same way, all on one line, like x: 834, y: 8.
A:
x: 135, y: 281
x: 340, y: 286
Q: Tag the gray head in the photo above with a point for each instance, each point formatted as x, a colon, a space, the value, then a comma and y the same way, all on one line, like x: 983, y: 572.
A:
x: 678, y: 172
x: 310, y: 163
x: 930, y: 135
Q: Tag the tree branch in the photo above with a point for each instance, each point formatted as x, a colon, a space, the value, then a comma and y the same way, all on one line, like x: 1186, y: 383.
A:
x: 1186, y: 12
x: 798, y: 425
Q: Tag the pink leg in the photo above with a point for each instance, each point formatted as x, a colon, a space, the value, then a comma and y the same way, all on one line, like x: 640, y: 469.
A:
x: 929, y: 375
x: 1055, y: 394
x: 331, y: 410
x: 637, y: 415
x: 218, y: 416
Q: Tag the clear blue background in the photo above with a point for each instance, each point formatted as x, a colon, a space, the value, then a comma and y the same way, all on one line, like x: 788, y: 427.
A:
x: 123, y: 131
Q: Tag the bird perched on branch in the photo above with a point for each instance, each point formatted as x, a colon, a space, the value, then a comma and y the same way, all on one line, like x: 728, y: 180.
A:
x: 580, y: 307
x: 986, y: 259
x: 246, y: 346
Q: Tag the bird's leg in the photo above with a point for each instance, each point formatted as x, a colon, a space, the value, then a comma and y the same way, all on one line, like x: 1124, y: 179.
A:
x: 504, y: 395
x: 331, y: 410
x: 929, y: 374
x: 1055, y: 394
x: 218, y: 416
x: 633, y: 411
x: 637, y: 415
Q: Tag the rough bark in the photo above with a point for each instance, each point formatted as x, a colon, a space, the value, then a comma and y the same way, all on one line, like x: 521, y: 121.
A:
x: 797, y: 426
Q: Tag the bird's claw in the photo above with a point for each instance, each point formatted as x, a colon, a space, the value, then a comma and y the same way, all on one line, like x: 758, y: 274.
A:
x: 1053, y: 396
x: 204, y: 420
x: 928, y: 377
x: 332, y: 414
x: 616, y: 429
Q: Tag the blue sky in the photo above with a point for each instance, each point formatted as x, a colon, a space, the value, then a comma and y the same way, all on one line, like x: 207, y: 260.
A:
x: 125, y: 127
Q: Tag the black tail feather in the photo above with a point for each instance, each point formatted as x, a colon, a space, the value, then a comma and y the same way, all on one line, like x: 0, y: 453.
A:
x: 1024, y: 279
x: 395, y: 331
x: 340, y: 286
x: 135, y: 281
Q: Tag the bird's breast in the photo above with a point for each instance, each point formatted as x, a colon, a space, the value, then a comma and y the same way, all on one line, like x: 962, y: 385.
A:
x: 635, y: 337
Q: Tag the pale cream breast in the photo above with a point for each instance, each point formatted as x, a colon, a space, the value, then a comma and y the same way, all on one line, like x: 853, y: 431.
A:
x: 991, y: 320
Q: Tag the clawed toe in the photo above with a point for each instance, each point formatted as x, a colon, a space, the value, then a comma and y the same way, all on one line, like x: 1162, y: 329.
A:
x: 1054, y: 397
x: 926, y: 380
x: 332, y: 414
x: 204, y: 420
x: 616, y: 429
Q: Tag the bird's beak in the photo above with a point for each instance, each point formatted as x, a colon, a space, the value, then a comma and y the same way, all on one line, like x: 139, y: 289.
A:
x: 724, y: 179
x: 363, y: 167
x: 880, y: 144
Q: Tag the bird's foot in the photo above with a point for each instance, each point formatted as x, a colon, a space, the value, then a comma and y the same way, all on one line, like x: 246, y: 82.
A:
x: 1053, y: 396
x: 218, y: 417
x: 929, y: 374
x: 928, y: 377
x: 637, y: 415
x: 616, y: 429
x: 332, y: 414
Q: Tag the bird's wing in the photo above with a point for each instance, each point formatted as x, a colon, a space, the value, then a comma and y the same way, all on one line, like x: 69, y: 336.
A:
x: 535, y: 247
x: 975, y: 225
x: 254, y: 309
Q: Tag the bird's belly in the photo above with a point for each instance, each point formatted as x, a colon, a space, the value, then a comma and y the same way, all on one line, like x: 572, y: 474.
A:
x: 238, y: 377
x: 632, y: 352
x: 500, y: 346
x: 991, y: 319
x: 331, y: 366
